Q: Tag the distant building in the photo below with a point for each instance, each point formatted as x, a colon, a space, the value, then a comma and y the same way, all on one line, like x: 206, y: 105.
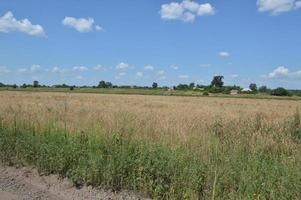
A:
x: 234, y: 92
x: 246, y: 90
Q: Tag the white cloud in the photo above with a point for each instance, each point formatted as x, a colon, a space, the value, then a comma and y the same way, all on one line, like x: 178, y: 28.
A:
x: 56, y: 69
x: 224, y: 54
x: 98, y: 67
x: 79, y: 68
x: 8, y: 23
x: 277, y: 6
x: 298, y: 5
x: 149, y: 67
x: 206, y: 9
x: 183, y: 76
x: 139, y: 74
x: 283, y: 72
x: 122, y: 65
x: 185, y: 11
x: 174, y: 67
x: 82, y: 25
x: 99, y: 28
x: 35, y: 68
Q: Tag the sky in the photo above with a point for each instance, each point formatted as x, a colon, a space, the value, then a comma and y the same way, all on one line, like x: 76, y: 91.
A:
x: 139, y: 42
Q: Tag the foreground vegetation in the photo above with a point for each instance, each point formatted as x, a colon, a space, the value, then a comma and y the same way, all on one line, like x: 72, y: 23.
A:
x: 171, y: 149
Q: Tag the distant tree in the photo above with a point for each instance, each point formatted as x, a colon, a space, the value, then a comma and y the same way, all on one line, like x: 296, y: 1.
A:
x: 253, y: 87
x: 71, y: 87
x: 36, y: 84
x: 280, y: 91
x: 109, y: 85
x: 24, y: 85
x: 217, y: 81
x: 182, y: 87
x: 155, y: 85
x: 263, y: 89
x: 102, y: 84
x: 191, y: 85
x: 2, y: 85
x: 15, y: 86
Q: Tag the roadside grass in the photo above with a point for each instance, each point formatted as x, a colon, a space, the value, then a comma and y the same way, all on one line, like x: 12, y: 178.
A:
x: 255, y: 160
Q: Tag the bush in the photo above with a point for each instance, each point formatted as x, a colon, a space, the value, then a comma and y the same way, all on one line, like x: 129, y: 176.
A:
x: 205, y: 93
x: 280, y: 91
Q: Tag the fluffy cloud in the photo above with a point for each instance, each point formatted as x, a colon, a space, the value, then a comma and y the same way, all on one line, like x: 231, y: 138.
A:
x: 183, y: 76
x: 33, y: 69
x: 185, y: 11
x: 283, y: 72
x: 224, y: 54
x: 8, y: 23
x: 79, y: 68
x: 56, y: 69
x: 82, y: 25
x: 149, y: 67
x: 277, y: 6
x: 298, y: 4
x: 122, y: 65
x: 139, y: 74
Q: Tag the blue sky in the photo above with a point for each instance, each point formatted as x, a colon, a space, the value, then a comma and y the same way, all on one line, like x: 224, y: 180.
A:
x: 141, y: 41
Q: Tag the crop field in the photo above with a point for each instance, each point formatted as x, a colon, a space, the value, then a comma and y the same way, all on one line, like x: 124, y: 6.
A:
x: 165, y: 147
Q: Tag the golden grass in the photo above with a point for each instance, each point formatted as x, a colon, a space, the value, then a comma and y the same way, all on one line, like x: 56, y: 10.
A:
x: 242, y: 144
x: 154, y: 117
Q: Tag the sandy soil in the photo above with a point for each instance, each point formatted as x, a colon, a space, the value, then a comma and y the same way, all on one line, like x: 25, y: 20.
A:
x: 27, y: 184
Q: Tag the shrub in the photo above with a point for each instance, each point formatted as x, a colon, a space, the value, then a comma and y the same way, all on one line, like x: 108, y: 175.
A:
x: 280, y: 91
x: 205, y: 93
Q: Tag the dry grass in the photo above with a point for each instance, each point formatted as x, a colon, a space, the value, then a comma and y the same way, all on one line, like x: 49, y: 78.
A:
x: 150, y: 116
x: 243, y: 143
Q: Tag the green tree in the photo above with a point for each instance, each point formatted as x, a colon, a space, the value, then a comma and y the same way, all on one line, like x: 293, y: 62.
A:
x: 217, y: 81
x: 280, y: 91
x: 253, y: 87
x: 263, y: 89
x: 191, y: 85
x: 102, y: 84
x: 155, y: 85
x: 36, y: 84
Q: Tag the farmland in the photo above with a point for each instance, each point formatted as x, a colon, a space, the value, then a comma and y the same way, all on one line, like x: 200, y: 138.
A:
x: 166, y: 147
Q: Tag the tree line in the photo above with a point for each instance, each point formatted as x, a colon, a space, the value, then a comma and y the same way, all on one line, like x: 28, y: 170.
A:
x: 216, y: 86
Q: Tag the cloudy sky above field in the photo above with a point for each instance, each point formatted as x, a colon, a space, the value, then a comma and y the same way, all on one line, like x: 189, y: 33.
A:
x: 141, y: 41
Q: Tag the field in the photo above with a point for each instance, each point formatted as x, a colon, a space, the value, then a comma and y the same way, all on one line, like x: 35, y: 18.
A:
x: 166, y: 147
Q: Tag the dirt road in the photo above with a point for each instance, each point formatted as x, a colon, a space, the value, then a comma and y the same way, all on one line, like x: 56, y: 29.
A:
x: 27, y: 184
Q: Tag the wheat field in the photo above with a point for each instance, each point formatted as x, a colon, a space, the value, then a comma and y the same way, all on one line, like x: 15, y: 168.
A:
x: 223, y: 148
